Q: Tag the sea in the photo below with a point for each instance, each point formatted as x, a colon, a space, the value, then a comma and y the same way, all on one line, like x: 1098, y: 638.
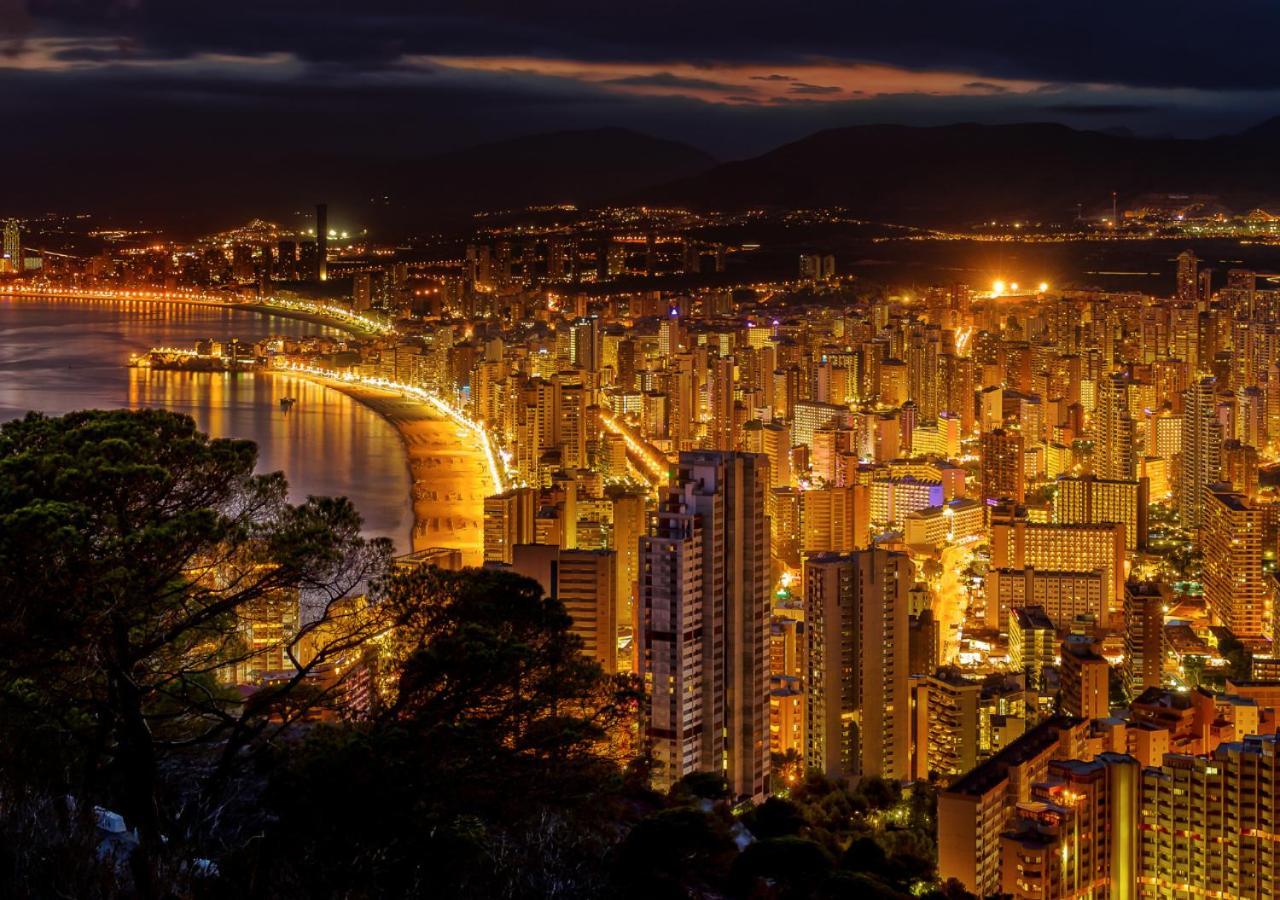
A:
x: 59, y: 355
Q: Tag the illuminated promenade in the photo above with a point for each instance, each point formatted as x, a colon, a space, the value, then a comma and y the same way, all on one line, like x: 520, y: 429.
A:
x: 328, y: 314
x: 451, y: 459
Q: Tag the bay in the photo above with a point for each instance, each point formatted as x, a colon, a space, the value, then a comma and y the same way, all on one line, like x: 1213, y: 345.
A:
x: 59, y: 355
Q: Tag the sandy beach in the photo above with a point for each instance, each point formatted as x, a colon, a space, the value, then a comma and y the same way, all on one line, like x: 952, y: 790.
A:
x: 447, y: 467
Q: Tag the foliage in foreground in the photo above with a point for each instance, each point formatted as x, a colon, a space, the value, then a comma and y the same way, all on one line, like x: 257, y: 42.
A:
x: 492, y: 760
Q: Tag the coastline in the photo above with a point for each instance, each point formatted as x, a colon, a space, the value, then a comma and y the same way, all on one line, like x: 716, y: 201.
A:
x: 264, y: 309
x: 245, y: 305
x: 447, y: 472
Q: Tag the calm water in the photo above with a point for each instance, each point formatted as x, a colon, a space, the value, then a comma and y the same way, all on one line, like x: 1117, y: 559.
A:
x: 62, y: 355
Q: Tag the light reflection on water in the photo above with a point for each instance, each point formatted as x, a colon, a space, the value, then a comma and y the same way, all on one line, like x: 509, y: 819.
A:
x: 62, y: 355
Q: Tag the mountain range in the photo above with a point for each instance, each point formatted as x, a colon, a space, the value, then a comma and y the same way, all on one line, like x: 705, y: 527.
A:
x: 936, y: 176
x: 965, y: 174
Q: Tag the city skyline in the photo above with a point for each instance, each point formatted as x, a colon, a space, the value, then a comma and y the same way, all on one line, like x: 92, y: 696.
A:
x: 496, y: 450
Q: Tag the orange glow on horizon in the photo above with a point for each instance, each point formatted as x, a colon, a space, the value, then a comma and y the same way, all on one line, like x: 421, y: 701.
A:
x: 744, y: 83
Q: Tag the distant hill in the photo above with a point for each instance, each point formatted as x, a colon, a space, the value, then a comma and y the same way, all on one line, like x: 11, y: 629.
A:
x: 947, y: 175
x: 585, y: 167
x: 391, y: 196
x: 960, y: 174
x: 582, y: 167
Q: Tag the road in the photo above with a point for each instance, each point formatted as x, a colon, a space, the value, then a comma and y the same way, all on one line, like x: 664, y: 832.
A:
x: 950, y: 599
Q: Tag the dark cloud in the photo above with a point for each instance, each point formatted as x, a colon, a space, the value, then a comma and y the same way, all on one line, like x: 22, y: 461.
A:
x: 802, y: 88
x: 1141, y: 43
x: 15, y: 20
x: 773, y: 77
x: 987, y: 87
x: 667, y: 79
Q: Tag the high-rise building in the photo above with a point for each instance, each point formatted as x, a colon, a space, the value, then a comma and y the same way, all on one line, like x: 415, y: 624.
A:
x: 1045, y: 823
x: 1032, y: 638
x: 1062, y: 595
x: 1049, y: 548
x: 586, y: 343
x: 810, y: 415
x: 584, y: 581
x: 573, y: 425
x: 720, y: 431
x: 704, y: 622
x: 1113, y: 451
x: 1089, y: 500
x: 1188, y: 281
x: 924, y: 643
x: 1085, y: 677
x: 1235, y: 590
x: 975, y: 811
x: 1078, y: 835
x: 508, y: 521
x: 287, y: 260
x: 1003, y: 473
x: 817, y: 267
x: 1201, y: 449
x: 268, y: 626
x: 1208, y: 823
x: 362, y: 291
x: 1145, y: 603
x: 1240, y: 467
x: 944, y: 732
x: 628, y: 525
x: 11, y: 258
x: 857, y: 718
x: 835, y: 519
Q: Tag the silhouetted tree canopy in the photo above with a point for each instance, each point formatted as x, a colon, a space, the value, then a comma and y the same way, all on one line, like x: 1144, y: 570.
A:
x: 129, y: 541
x: 490, y: 772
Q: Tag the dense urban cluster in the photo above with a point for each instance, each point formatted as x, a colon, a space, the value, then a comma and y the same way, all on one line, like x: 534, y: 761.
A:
x: 1001, y: 558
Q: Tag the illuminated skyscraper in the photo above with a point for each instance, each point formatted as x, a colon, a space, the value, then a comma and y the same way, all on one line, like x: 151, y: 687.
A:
x: 704, y: 622
x: 1002, y: 465
x: 362, y: 291
x: 1144, y: 608
x: 1208, y: 823
x: 858, y: 717
x: 508, y: 521
x: 1188, y: 282
x: 1201, y: 449
x: 720, y: 430
x: 1113, y: 453
x: 1085, y: 678
x: 1235, y: 591
x: 944, y: 727
x: 586, y: 343
x: 584, y: 581
x: 12, y: 256
x: 1088, y: 500
x: 1031, y: 643
x: 1078, y: 835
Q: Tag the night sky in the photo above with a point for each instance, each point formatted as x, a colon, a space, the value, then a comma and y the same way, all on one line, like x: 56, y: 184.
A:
x: 734, y: 78
x: 190, y: 85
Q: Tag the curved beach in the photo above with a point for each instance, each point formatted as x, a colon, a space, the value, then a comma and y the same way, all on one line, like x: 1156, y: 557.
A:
x: 447, y: 467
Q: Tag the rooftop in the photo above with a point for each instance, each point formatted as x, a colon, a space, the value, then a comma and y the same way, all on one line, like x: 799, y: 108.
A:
x: 1035, y: 742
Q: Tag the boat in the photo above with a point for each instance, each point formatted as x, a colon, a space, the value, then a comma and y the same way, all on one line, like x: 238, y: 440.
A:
x: 286, y: 403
